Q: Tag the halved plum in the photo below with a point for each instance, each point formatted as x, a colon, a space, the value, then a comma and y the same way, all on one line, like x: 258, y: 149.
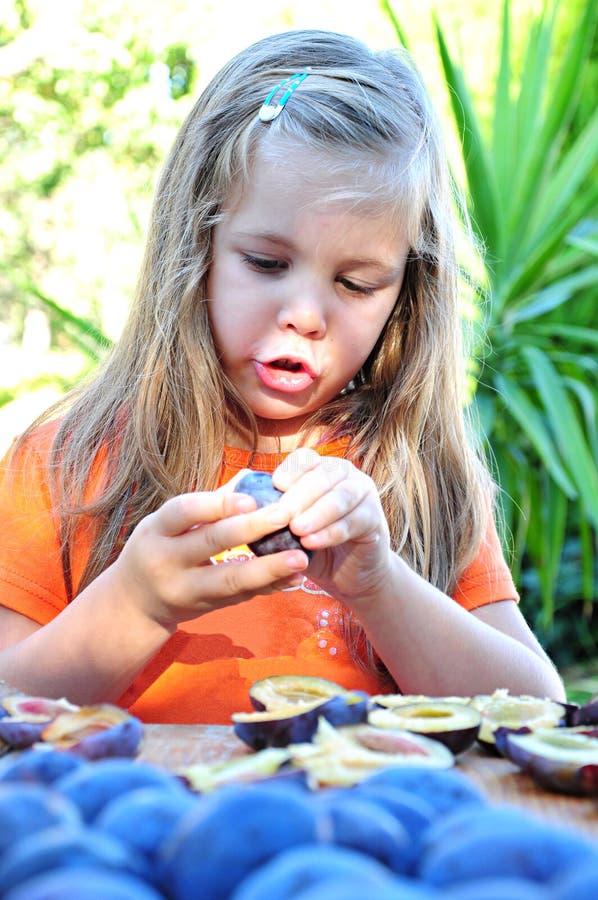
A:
x: 390, y: 701
x: 456, y: 725
x: 205, y: 777
x: 280, y: 726
x: 35, y: 709
x: 347, y: 755
x: 559, y: 759
x: 587, y: 714
x: 95, y: 732
x: 281, y: 691
x: 512, y: 711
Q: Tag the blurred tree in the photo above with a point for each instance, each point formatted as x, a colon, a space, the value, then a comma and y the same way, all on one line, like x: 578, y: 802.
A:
x: 85, y: 117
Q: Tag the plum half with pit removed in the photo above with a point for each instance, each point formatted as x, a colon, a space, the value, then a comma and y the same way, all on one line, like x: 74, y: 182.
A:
x: 259, y: 486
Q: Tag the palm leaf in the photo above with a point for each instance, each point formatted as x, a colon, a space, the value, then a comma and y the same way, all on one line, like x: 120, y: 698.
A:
x: 531, y: 422
x: 569, y: 437
x: 481, y: 180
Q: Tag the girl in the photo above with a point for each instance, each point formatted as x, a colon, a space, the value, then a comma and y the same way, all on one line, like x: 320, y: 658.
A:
x: 297, y: 312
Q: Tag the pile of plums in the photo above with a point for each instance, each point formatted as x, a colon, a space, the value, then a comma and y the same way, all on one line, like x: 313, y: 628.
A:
x: 122, y: 829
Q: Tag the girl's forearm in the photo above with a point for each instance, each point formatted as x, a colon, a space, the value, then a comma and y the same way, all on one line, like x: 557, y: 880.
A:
x: 433, y: 646
x: 90, y: 653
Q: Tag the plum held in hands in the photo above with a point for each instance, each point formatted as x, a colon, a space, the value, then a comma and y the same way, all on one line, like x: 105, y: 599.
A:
x: 259, y: 486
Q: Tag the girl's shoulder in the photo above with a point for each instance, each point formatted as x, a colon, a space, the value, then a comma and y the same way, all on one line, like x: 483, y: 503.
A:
x: 33, y: 446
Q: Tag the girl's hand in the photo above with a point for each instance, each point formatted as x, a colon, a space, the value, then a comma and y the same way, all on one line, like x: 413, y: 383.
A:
x: 335, y: 509
x: 165, y: 567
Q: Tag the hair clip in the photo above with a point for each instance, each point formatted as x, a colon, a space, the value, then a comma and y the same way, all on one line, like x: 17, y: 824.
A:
x: 269, y: 110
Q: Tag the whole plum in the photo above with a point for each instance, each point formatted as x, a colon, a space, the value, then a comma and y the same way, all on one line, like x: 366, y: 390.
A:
x: 89, y: 882
x: 499, y: 888
x: 92, y: 787
x: 145, y: 817
x: 412, y: 812
x: 67, y: 846
x: 39, y: 766
x: 28, y: 808
x: 259, y: 486
x: 353, y: 888
x: 231, y: 833
x: 360, y: 824
x: 539, y: 853
x: 579, y: 884
x: 298, y: 869
x: 443, y: 789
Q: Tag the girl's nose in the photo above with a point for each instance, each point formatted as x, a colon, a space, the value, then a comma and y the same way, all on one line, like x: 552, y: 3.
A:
x: 303, y: 314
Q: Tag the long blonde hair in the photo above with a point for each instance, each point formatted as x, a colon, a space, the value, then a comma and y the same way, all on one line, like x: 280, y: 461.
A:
x: 159, y: 405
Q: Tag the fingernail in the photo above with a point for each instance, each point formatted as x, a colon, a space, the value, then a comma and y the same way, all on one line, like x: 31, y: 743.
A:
x: 297, y: 561
x: 244, y: 504
x: 276, y: 515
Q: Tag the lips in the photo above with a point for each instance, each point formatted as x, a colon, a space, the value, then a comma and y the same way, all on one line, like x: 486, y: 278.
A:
x: 288, y: 374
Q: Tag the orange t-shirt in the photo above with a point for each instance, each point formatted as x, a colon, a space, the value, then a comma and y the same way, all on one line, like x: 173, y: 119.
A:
x: 204, y: 671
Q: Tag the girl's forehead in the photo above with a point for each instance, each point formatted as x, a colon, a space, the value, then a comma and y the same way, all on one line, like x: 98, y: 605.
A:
x: 313, y: 178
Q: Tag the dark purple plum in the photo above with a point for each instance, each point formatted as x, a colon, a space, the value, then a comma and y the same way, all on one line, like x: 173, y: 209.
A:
x: 92, y: 787
x: 259, y: 486
x: 28, y: 808
x: 295, y: 724
x: 444, y: 789
x: 293, y: 872
x: 230, y: 834
x: 67, y: 845
x: 361, y: 824
x: 559, y: 759
x: 90, y: 882
x: 95, y: 732
x: 20, y: 734
x: 454, y: 724
x: 586, y: 714
x: 38, y: 765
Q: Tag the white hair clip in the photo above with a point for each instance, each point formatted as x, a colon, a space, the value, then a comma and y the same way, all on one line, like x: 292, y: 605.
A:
x: 270, y: 110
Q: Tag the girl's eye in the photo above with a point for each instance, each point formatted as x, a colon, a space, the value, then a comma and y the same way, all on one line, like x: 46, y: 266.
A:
x: 354, y: 288
x: 263, y: 264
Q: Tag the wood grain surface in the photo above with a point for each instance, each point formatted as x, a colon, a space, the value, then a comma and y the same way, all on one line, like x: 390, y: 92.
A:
x: 176, y: 746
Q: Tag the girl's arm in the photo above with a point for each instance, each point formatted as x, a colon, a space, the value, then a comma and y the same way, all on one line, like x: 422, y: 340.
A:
x: 430, y: 644
x: 93, y: 649
x: 433, y: 646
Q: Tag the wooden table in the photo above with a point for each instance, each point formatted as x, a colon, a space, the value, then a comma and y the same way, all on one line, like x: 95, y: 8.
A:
x: 176, y: 746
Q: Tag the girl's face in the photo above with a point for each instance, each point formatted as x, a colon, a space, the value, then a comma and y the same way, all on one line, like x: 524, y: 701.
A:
x: 299, y: 289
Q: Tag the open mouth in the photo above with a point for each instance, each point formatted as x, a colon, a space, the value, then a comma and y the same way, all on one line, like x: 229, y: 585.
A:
x: 286, y: 365
x: 285, y: 374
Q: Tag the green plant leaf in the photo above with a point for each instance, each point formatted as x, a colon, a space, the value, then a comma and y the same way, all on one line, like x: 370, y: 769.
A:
x: 550, y: 297
x: 568, y: 433
x: 562, y: 330
x: 563, y: 187
x: 504, y: 119
x: 480, y: 175
x: 532, y: 424
x: 558, y: 106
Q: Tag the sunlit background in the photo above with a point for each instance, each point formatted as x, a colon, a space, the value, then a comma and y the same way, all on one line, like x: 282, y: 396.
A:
x: 96, y: 90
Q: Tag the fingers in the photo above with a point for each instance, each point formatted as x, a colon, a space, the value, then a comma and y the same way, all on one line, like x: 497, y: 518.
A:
x: 329, y: 500
x: 259, y: 575
x: 179, y: 514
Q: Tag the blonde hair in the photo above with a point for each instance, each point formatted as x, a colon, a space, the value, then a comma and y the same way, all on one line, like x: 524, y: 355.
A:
x: 159, y: 405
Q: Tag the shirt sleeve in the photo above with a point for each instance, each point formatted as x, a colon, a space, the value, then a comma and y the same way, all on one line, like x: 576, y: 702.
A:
x: 31, y: 579
x: 488, y: 578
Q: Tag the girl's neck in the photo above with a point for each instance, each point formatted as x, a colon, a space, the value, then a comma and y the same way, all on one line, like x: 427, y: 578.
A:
x: 272, y: 438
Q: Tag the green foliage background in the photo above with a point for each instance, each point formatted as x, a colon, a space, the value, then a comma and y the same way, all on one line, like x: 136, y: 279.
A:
x: 91, y: 95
